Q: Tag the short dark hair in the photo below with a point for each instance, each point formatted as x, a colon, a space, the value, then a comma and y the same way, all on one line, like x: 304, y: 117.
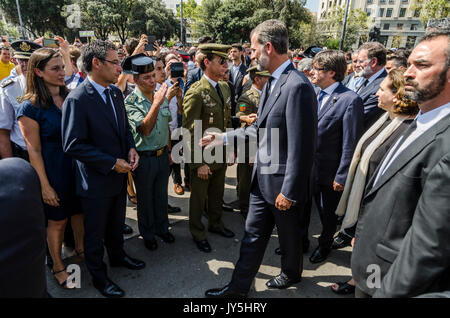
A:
x: 438, y: 33
x: 237, y: 46
x: 98, y: 49
x: 332, y: 60
x: 130, y: 45
x: 375, y: 49
x: 201, y: 59
x: 399, y: 61
x: 205, y: 39
x: 273, y: 31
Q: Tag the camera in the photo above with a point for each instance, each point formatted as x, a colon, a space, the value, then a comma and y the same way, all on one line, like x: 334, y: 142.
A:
x: 176, y: 70
x: 151, y: 43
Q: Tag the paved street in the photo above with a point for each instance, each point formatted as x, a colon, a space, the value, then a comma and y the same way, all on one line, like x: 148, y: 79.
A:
x: 180, y: 270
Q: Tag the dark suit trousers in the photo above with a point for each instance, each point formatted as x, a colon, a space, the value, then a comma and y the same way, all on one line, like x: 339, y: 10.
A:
x: 259, y: 225
x: 103, y: 221
x: 327, y: 201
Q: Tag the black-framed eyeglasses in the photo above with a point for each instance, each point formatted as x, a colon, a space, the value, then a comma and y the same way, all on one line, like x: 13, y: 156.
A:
x: 318, y: 69
x: 116, y: 63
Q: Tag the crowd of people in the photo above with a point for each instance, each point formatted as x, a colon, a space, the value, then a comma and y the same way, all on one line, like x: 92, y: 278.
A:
x: 362, y: 136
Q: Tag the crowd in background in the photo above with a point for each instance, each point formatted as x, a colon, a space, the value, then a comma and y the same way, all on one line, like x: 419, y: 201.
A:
x: 365, y: 110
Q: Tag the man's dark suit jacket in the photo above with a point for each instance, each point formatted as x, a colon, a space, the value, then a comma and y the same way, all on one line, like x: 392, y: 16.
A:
x: 237, y: 81
x: 404, y: 223
x: 91, y: 136
x: 371, y: 110
x: 193, y: 76
x: 340, y: 124
x: 291, y: 109
x: 22, y: 231
x: 347, y: 79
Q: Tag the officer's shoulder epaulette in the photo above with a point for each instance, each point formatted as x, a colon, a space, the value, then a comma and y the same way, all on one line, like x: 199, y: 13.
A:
x: 195, y: 85
x: 7, y: 82
x: 130, y: 98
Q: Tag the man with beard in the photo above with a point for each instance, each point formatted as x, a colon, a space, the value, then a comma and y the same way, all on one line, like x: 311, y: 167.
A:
x: 281, y: 181
x: 370, y: 66
x: 402, y: 237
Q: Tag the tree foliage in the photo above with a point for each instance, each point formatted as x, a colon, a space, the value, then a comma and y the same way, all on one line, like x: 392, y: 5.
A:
x: 432, y: 9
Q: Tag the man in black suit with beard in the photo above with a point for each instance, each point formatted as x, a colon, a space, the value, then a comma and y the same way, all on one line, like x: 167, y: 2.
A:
x: 402, y: 238
x: 97, y: 135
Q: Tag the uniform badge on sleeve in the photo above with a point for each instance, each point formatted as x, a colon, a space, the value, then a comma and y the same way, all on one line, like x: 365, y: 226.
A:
x: 242, y: 107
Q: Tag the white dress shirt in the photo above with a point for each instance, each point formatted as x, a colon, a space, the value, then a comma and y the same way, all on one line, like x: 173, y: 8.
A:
x: 277, y: 73
x: 101, y: 90
x: 424, y: 122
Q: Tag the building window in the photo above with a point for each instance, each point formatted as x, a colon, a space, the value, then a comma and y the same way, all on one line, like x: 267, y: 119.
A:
x: 399, y: 26
x: 330, y: 4
x: 368, y: 12
x: 417, y: 13
x: 382, y: 1
x: 369, y: 1
x: 414, y: 27
x: 404, y: 1
x: 386, y: 26
x: 340, y: 2
x: 323, y: 3
x: 381, y: 14
x: 389, y: 13
x: 402, y: 12
x: 391, y: 1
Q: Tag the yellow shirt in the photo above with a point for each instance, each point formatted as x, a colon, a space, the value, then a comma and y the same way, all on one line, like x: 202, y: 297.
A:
x: 5, y: 69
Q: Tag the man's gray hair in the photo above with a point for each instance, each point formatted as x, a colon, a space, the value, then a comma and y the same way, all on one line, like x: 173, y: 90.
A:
x: 275, y: 32
x: 305, y: 64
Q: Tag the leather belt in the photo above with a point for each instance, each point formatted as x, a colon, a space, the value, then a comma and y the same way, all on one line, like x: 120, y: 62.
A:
x: 152, y: 153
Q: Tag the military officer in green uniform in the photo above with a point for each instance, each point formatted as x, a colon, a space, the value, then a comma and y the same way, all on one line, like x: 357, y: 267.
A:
x: 208, y: 101
x: 149, y: 116
x: 247, y: 107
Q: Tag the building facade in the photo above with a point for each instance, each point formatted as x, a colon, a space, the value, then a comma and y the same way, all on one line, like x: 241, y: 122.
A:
x: 174, y: 5
x: 399, y: 23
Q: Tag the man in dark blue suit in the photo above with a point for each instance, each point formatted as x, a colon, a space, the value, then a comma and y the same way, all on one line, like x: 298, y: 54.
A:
x: 97, y: 135
x: 370, y: 64
x: 281, y: 179
x: 340, y: 124
x: 238, y: 70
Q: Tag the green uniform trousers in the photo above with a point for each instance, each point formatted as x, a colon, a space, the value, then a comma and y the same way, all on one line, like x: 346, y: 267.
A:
x: 151, y: 179
x: 207, y: 193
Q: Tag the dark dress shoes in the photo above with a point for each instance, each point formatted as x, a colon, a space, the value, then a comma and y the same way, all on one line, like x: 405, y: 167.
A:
x: 173, y: 209
x: 224, y: 292
x: 227, y: 207
x: 127, y: 229
x: 151, y: 244
x: 128, y: 262
x: 282, y: 281
x: 341, y: 241
x: 225, y: 232
x: 320, y: 254
x: 167, y: 237
x: 203, y: 246
x: 108, y: 289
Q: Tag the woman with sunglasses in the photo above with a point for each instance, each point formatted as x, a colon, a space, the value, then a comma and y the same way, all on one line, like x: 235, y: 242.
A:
x: 39, y: 117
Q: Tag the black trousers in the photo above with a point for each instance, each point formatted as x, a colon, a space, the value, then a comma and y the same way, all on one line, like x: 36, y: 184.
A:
x: 327, y: 201
x: 175, y: 168
x: 261, y: 219
x: 103, y: 222
x: 18, y: 152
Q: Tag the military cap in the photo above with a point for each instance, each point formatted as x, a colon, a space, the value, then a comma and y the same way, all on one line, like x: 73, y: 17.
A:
x: 137, y: 64
x: 218, y: 49
x: 23, y: 49
x: 258, y: 72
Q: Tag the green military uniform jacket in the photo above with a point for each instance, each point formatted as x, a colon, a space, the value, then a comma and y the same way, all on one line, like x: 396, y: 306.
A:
x: 202, y: 102
x: 248, y: 103
x: 137, y: 107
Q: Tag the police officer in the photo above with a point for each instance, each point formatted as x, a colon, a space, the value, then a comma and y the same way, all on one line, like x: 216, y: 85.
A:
x: 208, y: 101
x: 11, y: 92
x: 246, y: 106
x: 149, y: 116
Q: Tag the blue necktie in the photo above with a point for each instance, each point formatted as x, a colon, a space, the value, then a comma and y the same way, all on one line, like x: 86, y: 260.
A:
x: 320, y: 99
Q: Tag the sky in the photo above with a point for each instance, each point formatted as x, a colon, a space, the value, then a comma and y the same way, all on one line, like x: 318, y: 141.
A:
x: 312, y: 5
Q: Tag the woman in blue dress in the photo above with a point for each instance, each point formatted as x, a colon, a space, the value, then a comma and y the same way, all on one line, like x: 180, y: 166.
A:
x: 39, y: 118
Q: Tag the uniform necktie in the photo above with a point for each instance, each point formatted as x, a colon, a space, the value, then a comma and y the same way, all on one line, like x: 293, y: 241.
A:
x: 320, y: 99
x: 220, y: 93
